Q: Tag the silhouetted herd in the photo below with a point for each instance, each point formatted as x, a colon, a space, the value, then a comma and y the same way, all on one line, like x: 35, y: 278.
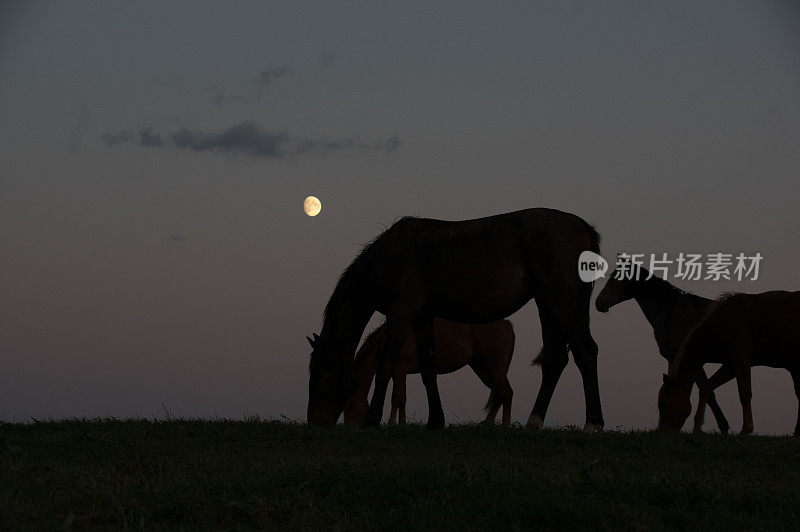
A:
x: 445, y: 288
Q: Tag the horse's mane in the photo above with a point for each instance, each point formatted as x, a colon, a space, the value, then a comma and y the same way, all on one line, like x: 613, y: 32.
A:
x: 662, y: 285
x: 344, y: 281
x: 346, y: 289
x: 655, y: 283
x: 724, y: 296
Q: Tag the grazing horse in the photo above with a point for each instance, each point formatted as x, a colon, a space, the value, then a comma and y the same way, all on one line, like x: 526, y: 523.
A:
x: 742, y: 331
x: 671, y: 312
x: 472, y: 271
x: 486, y: 348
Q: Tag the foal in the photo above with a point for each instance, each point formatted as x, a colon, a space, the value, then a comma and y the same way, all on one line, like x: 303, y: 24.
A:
x: 671, y: 312
x: 486, y: 348
x: 744, y: 330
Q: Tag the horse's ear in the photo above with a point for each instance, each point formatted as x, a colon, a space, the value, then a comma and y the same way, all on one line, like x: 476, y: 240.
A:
x: 310, y: 341
x: 666, y: 378
x: 316, y: 337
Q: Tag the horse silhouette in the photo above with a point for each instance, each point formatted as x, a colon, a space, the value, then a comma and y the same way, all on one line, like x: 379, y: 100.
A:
x: 486, y: 348
x: 670, y: 311
x: 741, y: 331
x: 471, y: 271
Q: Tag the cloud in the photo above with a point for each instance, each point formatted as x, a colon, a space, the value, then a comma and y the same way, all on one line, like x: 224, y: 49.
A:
x: 253, y: 89
x: 148, y: 138
x: 122, y: 137
x: 388, y: 144
x: 248, y: 139
x: 270, y: 75
x: 245, y: 138
x: 324, y: 146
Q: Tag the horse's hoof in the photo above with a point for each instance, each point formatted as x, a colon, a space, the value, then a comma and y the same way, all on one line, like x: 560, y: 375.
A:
x: 724, y: 430
x: 590, y: 428
x: 371, y: 424
x: 535, y: 423
x: 434, y: 425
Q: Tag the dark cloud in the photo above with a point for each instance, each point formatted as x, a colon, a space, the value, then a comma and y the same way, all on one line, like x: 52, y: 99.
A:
x: 248, y: 139
x: 388, y: 144
x: 254, y: 89
x: 270, y: 75
x: 323, y: 146
x: 150, y: 139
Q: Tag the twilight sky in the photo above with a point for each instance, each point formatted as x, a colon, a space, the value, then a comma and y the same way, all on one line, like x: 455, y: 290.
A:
x: 155, y: 157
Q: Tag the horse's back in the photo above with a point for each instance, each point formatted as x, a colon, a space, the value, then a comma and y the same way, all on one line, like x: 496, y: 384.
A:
x: 768, y: 323
x: 480, y: 270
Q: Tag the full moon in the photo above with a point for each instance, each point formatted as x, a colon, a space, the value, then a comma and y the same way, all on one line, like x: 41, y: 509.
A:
x: 312, y: 206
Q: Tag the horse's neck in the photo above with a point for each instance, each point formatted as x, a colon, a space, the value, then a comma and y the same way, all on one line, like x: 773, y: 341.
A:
x: 656, y: 302
x: 343, y: 331
x: 685, y: 370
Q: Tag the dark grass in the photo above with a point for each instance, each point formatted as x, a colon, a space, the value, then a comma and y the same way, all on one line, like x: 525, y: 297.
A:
x: 247, y: 474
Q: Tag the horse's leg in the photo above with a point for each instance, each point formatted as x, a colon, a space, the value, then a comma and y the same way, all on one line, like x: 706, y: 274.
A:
x: 491, y: 407
x: 553, y: 359
x: 706, y: 389
x: 796, y: 379
x: 395, y: 402
x: 402, y: 419
x: 494, y: 403
x: 507, y: 395
x: 397, y: 326
x: 719, y: 416
x: 584, y: 350
x: 568, y: 306
x: 742, y: 371
x: 399, y: 396
x: 423, y: 331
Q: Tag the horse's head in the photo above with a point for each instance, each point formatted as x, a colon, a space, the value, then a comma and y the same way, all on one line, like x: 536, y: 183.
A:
x: 330, y: 384
x: 356, y: 410
x: 674, y: 405
x: 615, y: 291
x: 621, y: 285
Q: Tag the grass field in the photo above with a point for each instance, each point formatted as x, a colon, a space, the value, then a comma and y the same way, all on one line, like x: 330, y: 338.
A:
x: 245, y: 474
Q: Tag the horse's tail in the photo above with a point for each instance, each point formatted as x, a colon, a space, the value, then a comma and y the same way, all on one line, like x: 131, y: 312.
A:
x: 494, y: 401
x: 587, y: 288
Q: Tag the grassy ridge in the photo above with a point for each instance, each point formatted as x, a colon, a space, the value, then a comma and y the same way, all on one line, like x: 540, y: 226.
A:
x: 242, y: 474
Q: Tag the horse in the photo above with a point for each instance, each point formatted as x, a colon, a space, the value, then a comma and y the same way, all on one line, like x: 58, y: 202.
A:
x: 670, y: 311
x: 470, y: 271
x: 486, y: 348
x: 742, y: 331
